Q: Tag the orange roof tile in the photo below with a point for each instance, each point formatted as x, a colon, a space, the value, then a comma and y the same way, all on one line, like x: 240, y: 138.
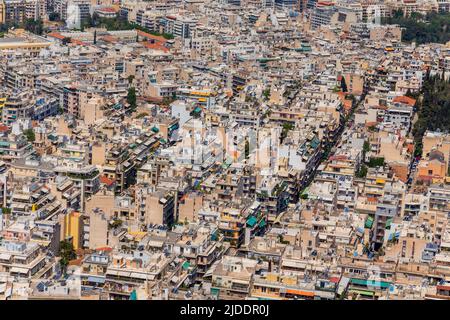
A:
x: 405, y: 100
x: 155, y: 46
x: 56, y: 35
x: 3, y: 128
x: 151, y: 36
x: 109, y: 38
x: 78, y: 42
x: 106, y: 180
x: 75, y: 262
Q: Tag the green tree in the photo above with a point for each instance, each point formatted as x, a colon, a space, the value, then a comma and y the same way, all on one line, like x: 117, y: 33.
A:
x: 247, y: 148
x: 266, y: 94
x: 66, y: 253
x: 141, y: 115
x: 433, y: 109
x: 116, y: 223
x: 286, y: 128
x: 362, y: 172
x: 434, y: 27
x: 6, y: 210
x: 113, y: 24
x: 343, y: 84
x: 376, y: 162
x: 131, y: 98
x: 366, y: 149
x: 366, y: 146
x: 29, y: 134
x: 54, y: 16
x: 66, y: 40
x: 34, y: 26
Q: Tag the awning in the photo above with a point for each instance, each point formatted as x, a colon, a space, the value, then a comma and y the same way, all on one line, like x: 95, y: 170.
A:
x: 262, y: 223
x: 96, y: 279
x: 5, y: 256
x: 18, y: 270
x: 305, y: 192
x: 124, y: 273
x: 369, y: 222
x: 112, y: 272
x: 215, y: 291
x: 388, y: 223
x: 142, y: 276
x: 300, y: 292
x: 371, y: 283
x: 251, y: 221
x: 156, y: 243
x: 186, y: 265
x: 363, y: 292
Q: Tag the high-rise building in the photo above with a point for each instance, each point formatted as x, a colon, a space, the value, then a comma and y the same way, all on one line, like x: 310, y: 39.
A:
x: 286, y: 4
x: 17, y: 11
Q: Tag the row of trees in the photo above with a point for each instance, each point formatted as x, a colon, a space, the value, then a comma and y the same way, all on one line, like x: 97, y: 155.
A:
x: 434, y: 27
x: 433, y: 108
x: 35, y: 26
x: 112, y: 24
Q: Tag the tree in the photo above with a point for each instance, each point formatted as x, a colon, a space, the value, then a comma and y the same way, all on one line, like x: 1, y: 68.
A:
x: 131, y: 98
x: 376, y: 162
x: 362, y: 173
x: 286, y: 128
x: 366, y: 149
x: 116, y: 223
x: 66, y: 40
x: 247, y: 148
x: 366, y: 146
x: 34, y: 26
x: 112, y: 24
x: 67, y: 253
x: 168, y: 100
x: 54, y: 16
x: 422, y: 29
x: 141, y: 115
x: 343, y: 84
x: 433, y: 109
x: 29, y: 133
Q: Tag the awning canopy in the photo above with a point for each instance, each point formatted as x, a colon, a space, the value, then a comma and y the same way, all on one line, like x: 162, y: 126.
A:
x: 388, y: 223
x: 251, y: 221
x: 19, y: 270
x: 370, y: 283
x: 300, y: 292
x: 96, y: 279
x: 5, y: 256
x: 363, y: 292
x: 369, y: 222
x: 186, y: 265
